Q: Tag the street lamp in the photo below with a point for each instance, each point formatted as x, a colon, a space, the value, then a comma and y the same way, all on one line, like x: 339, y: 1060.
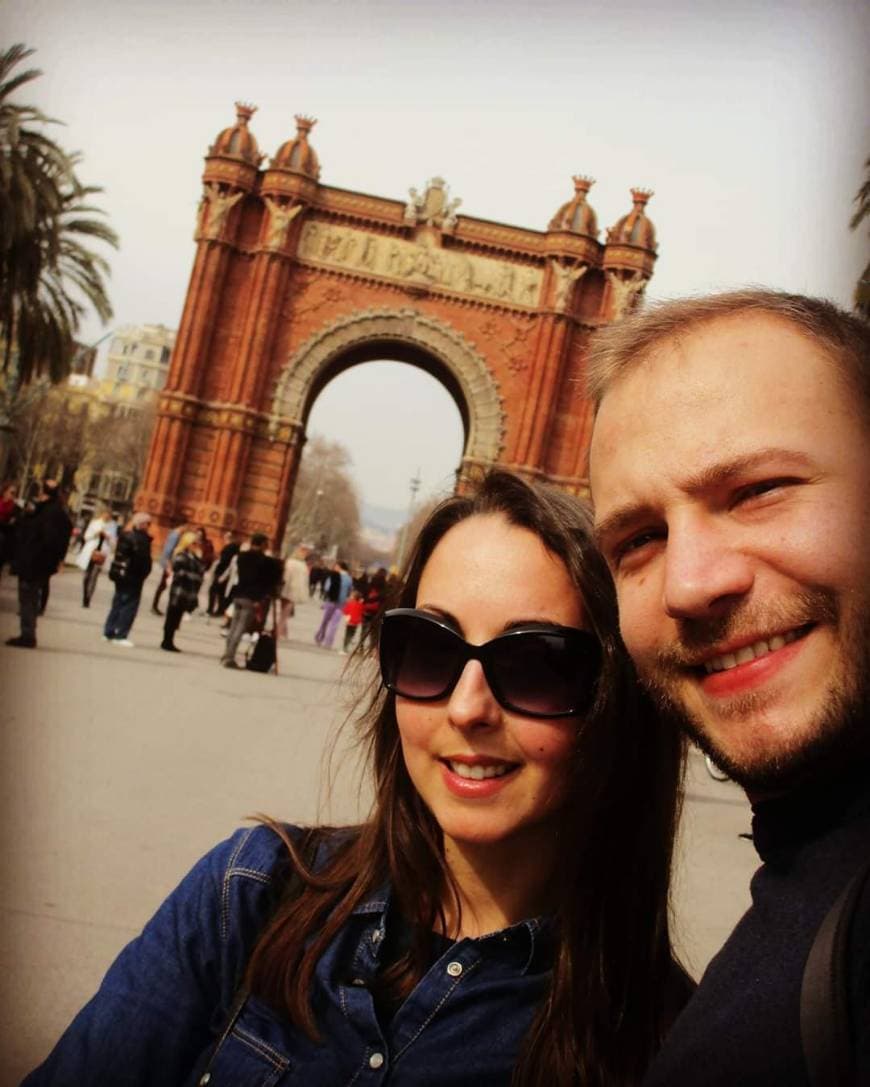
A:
x: 415, y: 486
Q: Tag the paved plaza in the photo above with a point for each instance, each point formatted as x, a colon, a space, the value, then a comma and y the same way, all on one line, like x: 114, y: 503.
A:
x: 122, y: 766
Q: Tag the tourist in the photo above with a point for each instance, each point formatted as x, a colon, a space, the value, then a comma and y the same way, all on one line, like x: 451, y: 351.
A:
x: 9, y: 511
x: 294, y: 588
x: 188, y: 570
x: 353, y: 613
x: 501, y: 918
x: 218, y: 592
x: 129, y: 569
x: 259, y: 578
x: 165, y: 564
x: 729, y: 470
x: 336, y: 592
x: 374, y: 601
x: 98, y: 542
x: 41, y: 540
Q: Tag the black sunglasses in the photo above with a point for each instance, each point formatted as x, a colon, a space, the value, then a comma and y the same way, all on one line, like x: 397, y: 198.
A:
x: 538, y: 671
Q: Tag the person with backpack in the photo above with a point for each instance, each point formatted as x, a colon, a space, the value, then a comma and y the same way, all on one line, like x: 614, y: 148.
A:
x: 128, y: 571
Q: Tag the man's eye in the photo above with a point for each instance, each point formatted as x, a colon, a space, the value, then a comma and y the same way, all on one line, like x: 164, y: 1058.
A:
x: 635, y: 543
x: 762, y: 487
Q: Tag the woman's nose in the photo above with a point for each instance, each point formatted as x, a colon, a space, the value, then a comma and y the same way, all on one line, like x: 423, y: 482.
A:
x: 471, y: 702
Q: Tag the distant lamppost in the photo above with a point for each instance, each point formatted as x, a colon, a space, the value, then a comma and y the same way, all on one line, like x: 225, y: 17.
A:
x: 415, y: 486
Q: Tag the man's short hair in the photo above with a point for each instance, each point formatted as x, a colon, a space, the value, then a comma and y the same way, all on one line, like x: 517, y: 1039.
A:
x: 259, y: 539
x: 616, y: 349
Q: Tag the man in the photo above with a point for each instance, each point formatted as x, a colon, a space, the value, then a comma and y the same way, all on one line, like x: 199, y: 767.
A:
x: 42, y: 538
x: 730, y: 473
x: 337, y: 590
x: 259, y: 579
x: 129, y: 571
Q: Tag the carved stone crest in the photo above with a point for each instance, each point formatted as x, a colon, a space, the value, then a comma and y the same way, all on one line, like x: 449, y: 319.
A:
x: 433, y: 207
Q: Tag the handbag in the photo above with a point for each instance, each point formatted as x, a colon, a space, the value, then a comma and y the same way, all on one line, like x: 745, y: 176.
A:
x: 98, y: 558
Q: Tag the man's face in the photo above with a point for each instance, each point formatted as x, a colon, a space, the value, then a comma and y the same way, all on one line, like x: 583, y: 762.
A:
x: 729, y: 473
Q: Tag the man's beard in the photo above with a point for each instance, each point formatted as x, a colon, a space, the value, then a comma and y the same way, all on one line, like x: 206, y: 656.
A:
x: 840, y: 730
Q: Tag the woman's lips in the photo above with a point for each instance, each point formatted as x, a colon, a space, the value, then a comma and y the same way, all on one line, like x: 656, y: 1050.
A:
x: 477, y: 778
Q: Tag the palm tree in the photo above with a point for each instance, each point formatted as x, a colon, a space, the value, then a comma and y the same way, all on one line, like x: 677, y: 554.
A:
x: 862, y: 199
x: 48, y: 274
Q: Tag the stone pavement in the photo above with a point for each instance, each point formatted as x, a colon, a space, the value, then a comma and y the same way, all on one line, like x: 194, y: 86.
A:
x: 122, y: 766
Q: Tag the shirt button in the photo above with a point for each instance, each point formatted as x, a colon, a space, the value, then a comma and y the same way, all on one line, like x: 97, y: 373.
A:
x: 205, y: 1079
x: 376, y: 1060
x: 358, y: 981
x: 377, y: 936
x: 454, y: 969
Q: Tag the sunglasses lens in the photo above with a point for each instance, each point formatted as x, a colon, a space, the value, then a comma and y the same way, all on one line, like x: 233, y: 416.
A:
x: 545, y: 674
x: 418, y: 658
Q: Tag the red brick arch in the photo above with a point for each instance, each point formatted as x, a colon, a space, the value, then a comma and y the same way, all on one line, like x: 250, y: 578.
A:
x: 294, y: 281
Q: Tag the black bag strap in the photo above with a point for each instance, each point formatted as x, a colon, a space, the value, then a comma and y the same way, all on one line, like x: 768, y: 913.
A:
x: 824, y: 1007
x: 294, y: 887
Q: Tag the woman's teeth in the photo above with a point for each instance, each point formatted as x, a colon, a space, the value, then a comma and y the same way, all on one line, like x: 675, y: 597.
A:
x: 750, y: 652
x: 477, y: 772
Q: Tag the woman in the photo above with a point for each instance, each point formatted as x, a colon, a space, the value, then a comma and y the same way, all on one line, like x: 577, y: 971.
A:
x: 188, y: 570
x: 502, y: 917
x: 97, y: 547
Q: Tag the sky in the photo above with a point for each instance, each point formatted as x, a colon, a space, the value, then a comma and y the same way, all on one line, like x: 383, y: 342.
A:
x: 748, y: 119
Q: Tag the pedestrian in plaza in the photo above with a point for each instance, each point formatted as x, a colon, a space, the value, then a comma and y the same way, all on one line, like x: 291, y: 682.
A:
x: 259, y: 580
x: 373, y: 604
x: 353, y: 614
x: 294, y: 588
x: 165, y: 563
x: 337, y: 591
x: 129, y: 569
x: 97, y: 547
x: 218, y: 592
x: 9, y: 512
x: 188, y: 570
x: 729, y: 470
x: 502, y: 917
x: 41, y: 540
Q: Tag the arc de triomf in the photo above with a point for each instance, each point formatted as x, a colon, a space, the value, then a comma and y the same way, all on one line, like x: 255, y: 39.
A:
x: 295, y: 281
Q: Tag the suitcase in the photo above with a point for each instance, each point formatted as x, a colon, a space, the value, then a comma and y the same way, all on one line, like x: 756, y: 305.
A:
x: 262, y: 657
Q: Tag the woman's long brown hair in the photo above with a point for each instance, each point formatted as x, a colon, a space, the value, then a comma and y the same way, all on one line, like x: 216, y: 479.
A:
x: 615, y: 985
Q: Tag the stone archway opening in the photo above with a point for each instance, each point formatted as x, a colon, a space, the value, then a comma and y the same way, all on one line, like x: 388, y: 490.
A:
x: 383, y: 439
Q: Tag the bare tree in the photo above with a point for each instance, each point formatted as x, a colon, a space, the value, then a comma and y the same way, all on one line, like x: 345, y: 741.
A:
x: 325, y: 511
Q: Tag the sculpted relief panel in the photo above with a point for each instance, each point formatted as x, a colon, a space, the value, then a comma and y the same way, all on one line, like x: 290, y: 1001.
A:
x: 426, y: 265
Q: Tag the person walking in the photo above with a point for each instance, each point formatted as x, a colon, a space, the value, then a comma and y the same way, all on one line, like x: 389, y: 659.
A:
x: 729, y: 470
x: 294, y: 588
x: 41, y: 542
x: 188, y: 569
x: 259, y: 578
x: 96, y: 551
x: 129, y: 570
x: 338, y: 589
x: 353, y: 612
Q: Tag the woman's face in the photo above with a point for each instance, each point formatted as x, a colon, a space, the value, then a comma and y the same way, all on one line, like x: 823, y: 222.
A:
x: 485, y: 576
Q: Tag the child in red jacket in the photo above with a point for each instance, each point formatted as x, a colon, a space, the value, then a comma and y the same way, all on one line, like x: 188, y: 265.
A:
x: 353, y: 609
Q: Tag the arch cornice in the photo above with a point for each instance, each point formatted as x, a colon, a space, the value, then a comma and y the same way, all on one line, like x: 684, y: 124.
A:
x: 467, y: 367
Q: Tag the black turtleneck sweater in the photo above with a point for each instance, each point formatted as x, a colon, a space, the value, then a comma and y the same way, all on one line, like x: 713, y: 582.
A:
x: 742, y: 1026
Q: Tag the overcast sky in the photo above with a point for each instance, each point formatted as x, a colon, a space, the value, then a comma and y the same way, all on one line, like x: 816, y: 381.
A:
x: 748, y: 119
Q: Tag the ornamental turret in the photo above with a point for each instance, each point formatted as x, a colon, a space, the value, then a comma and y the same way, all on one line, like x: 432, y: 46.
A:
x: 577, y: 216
x: 297, y: 154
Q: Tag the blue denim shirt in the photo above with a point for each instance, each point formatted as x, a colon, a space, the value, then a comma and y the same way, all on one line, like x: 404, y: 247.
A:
x: 165, y: 1000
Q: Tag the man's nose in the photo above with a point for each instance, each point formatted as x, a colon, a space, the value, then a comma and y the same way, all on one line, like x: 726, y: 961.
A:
x: 471, y: 701
x: 705, y: 572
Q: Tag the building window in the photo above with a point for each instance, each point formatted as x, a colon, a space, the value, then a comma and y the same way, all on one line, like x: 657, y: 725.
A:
x: 164, y: 355
x: 149, y: 355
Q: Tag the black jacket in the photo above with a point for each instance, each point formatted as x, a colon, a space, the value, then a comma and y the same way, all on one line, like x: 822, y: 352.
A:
x: 259, y: 575
x: 134, y: 547
x: 41, y: 540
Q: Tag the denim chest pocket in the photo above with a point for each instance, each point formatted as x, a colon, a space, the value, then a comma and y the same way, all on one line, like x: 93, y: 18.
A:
x: 253, y: 1054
